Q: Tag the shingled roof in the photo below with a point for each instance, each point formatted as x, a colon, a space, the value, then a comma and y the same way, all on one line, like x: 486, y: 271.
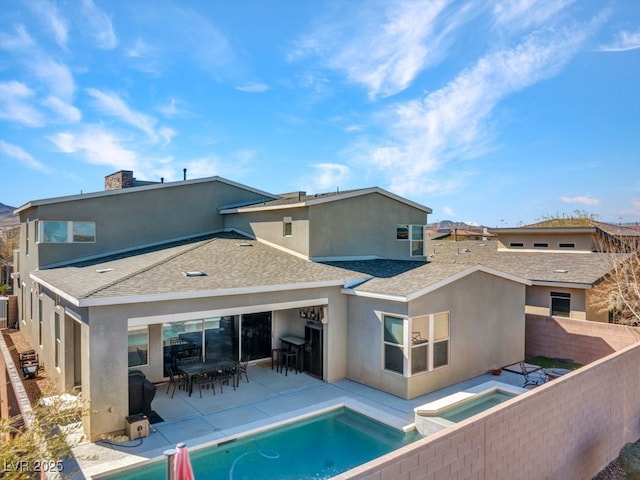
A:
x: 230, y: 264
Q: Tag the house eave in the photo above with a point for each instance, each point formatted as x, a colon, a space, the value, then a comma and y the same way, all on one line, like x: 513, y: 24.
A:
x: 191, y: 295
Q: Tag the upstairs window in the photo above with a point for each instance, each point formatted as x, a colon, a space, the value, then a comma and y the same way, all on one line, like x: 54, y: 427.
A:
x: 287, y: 227
x: 415, y: 235
x: 540, y: 245
x: 67, y: 232
x: 516, y: 244
x: 567, y: 245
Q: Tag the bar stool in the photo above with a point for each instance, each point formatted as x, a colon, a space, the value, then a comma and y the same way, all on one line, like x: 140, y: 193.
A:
x: 276, y: 355
x: 287, y: 357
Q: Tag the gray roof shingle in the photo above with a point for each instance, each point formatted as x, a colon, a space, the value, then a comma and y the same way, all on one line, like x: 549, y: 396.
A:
x: 230, y: 262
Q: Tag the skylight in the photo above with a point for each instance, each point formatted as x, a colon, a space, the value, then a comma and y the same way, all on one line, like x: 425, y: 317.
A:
x: 104, y: 270
x: 560, y: 270
x: 244, y: 244
x: 194, y: 273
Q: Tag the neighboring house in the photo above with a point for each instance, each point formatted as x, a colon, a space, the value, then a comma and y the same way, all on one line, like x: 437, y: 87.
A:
x: 127, y: 277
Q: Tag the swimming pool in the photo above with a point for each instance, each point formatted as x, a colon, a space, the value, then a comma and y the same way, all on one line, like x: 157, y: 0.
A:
x: 318, y: 447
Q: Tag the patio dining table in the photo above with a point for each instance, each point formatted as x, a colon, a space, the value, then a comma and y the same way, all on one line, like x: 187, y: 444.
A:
x: 192, y: 371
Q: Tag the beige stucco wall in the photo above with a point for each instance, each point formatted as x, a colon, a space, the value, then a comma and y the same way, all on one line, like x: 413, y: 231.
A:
x: 268, y: 226
x: 538, y: 301
x: 361, y: 226
x: 105, y: 370
x: 482, y: 337
x: 582, y: 241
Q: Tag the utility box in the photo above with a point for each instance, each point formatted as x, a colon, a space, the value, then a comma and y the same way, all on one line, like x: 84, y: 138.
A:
x: 137, y: 426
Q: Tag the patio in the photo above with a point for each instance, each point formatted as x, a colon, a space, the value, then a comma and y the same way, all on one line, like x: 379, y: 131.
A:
x: 268, y: 398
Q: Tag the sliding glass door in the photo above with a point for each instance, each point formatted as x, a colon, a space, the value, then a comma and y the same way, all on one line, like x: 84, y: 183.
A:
x: 232, y: 337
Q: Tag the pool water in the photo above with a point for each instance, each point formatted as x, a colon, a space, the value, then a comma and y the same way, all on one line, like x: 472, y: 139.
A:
x: 318, y: 447
x: 476, y: 405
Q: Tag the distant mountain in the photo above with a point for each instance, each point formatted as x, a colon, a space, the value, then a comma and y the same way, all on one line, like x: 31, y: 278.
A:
x: 450, y: 225
x: 7, y: 217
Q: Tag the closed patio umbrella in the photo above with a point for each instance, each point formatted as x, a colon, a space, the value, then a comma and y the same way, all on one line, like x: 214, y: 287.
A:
x: 182, y: 469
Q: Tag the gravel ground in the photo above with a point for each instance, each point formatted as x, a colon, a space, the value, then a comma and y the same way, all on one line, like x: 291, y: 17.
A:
x: 613, y: 471
x: 41, y: 386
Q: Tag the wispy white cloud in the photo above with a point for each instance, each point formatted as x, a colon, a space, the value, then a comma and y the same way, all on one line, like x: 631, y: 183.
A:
x: 56, y: 76
x: 25, y: 158
x: 54, y: 21
x: 623, y: 41
x: 452, y: 123
x: 171, y: 108
x: 16, y: 104
x: 97, y: 145
x: 253, y: 87
x: 65, y: 111
x: 110, y: 103
x: 448, y: 211
x: 581, y: 200
x: 98, y: 25
x: 51, y: 84
x: 18, y: 41
x: 383, y: 50
x: 523, y: 14
x: 329, y: 176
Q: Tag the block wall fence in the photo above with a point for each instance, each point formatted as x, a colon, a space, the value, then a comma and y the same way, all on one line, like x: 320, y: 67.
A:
x: 569, y: 428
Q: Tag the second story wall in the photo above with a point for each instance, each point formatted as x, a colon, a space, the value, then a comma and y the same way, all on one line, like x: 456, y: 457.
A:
x: 364, y: 225
x: 125, y: 219
x: 548, y: 241
x: 284, y: 227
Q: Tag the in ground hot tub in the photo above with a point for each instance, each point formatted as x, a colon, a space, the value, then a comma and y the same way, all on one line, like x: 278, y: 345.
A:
x: 449, y: 410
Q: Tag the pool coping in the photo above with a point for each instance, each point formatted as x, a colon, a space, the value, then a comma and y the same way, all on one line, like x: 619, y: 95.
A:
x: 261, y: 426
x: 434, y: 408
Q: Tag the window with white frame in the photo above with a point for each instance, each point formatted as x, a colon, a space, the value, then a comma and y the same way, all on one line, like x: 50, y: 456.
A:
x: 394, y: 328
x: 66, y: 232
x: 138, y: 346
x: 426, y: 349
x: 414, y: 234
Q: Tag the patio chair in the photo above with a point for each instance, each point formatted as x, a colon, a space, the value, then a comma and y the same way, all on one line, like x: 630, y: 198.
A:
x: 534, y: 375
x: 207, y: 379
x: 242, y: 368
x: 179, y: 381
x: 226, y: 374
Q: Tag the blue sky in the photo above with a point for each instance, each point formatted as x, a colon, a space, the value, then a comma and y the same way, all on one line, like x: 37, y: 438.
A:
x: 494, y: 113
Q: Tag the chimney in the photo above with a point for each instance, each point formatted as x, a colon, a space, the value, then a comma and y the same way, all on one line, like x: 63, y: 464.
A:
x: 184, y: 173
x: 119, y: 180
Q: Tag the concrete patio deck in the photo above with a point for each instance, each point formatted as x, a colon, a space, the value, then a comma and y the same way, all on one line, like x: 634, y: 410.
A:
x: 269, y: 398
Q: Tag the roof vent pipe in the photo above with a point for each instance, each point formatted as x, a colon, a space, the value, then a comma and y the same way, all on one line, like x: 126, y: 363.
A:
x: 184, y: 173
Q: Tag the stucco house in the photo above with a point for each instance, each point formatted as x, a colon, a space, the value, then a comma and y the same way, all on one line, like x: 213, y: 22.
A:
x: 118, y: 279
